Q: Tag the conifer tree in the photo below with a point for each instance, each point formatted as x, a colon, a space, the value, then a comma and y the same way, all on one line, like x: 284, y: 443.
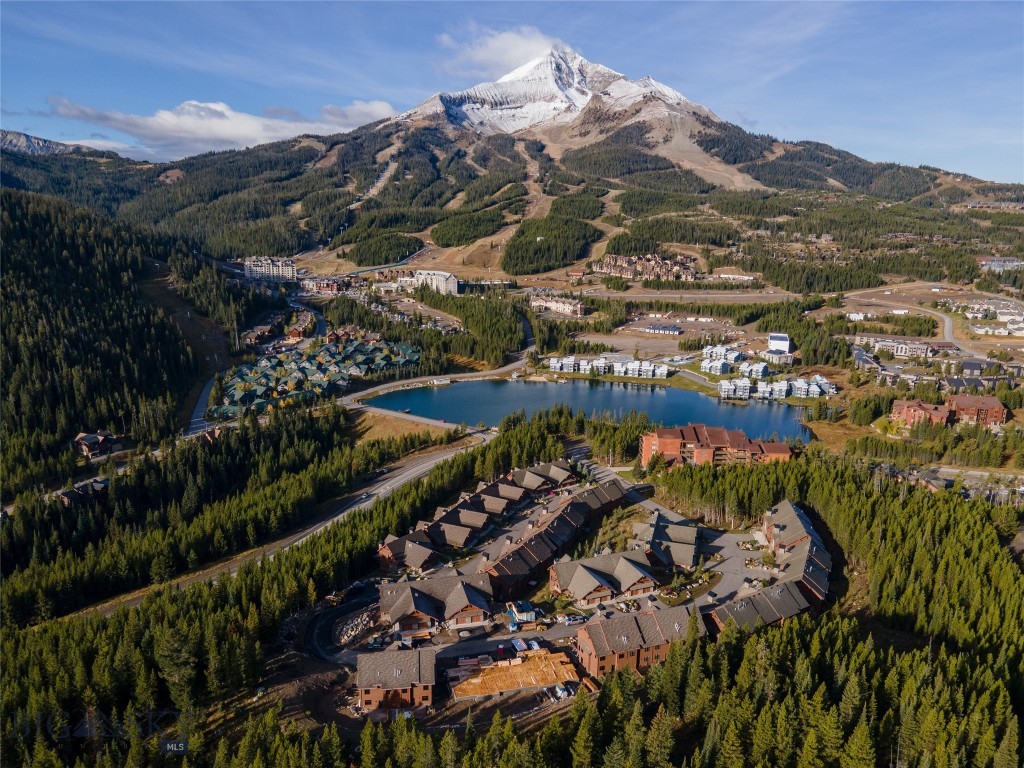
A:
x: 858, y: 751
x: 1008, y: 755
x: 583, y: 744
x: 810, y: 753
x: 660, y: 740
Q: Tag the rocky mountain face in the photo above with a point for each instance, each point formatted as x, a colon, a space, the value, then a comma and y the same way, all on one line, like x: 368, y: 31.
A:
x: 556, y: 88
x: 569, y: 102
x: 14, y: 141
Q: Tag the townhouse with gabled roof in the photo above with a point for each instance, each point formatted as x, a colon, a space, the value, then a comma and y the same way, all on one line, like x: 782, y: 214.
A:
x: 450, y: 598
x: 415, y: 551
x: 606, y: 577
x: 667, y: 540
x: 802, y: 563
x: 772, y: 605
x: 544, y: 476
x: 800, y: 553
x: 635, y: 641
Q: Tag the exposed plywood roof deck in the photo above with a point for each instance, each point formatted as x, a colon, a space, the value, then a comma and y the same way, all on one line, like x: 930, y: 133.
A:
x: 539, y: 669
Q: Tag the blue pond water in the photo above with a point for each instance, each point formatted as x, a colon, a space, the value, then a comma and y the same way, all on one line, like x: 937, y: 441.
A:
x: 473, y: 402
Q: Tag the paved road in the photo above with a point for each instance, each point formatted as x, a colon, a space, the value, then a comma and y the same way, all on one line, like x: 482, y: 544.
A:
x: 877, y: 296
x: 519, y: 360
x: 319, y: 638
x: 398, y: 474
x: 400, y: 263
x: 198, y: 423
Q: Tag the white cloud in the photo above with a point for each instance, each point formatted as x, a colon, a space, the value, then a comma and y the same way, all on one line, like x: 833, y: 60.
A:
x: 489, y: 53
x: 195, y: 126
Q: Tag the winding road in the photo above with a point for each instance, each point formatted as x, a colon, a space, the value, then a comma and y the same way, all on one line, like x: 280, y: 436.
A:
x: 388, y: 480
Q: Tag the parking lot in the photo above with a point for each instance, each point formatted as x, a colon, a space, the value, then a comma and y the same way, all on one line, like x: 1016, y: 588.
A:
x: 735, y: 573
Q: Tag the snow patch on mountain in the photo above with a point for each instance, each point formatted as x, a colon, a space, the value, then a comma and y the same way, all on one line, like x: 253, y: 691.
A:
x: 554, y: 88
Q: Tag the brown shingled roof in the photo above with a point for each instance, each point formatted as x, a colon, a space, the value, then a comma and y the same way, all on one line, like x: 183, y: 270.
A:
x: 395, y: 669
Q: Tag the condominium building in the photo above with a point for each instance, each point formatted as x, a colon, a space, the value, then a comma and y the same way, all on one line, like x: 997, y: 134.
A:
x: 442, y: 282
x: 562, y: 306
x: 271, y: 270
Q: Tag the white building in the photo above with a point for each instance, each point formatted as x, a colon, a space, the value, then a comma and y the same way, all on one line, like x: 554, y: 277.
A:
x: 778, y: 342
x: 755, y: 370
x: 442, y: 282
x: 742, y: 388
x: 270, y: 270
x: 716, y: 367
x: 715, y: 353
x: 824, y: 385
x: 777, y: 358
x: 562, y: 306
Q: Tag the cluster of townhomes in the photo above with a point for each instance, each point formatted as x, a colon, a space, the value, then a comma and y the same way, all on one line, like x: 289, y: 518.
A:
x: 661, y: 546
x: 800, y: 575
x: 617, y: 365
x: 744, y: 389
x: 299, y: 374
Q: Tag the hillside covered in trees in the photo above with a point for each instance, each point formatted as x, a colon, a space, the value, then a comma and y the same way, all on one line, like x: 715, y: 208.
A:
x: 925, y: 669
x: 81, y: 350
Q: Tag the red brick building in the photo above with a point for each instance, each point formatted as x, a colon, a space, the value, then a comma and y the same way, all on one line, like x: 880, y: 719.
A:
x: 395, y: 679
x: 977, y: 409
x: 701, y: 444
x: 910, y: 412
x: 633, y: 641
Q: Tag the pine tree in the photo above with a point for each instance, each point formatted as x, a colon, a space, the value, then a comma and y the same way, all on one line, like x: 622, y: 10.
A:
x: 449, y: 750
x: 858, y: 752
x: 764, y: 742
x: 368, y: 746
x: 586, y: 735
x: 660, y: 740
x: 636, y: 737
x: 551, y: 742
x: 616, y: 756
x: 1008, y: 755
x: 810, y: 753
x: 732, y: 753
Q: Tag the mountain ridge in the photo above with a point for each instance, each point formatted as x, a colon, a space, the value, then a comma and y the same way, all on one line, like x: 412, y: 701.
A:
x: 551, y: 89
x: 27, y: 144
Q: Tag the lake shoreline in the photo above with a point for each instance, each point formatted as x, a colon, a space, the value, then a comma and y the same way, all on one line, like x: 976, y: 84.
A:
x: 488, y: 400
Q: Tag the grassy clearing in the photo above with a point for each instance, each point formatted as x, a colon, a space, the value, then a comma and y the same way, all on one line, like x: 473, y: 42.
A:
x: 376, y: 426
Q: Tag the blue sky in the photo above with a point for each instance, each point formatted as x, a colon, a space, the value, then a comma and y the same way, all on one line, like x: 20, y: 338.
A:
x: 917, y: 83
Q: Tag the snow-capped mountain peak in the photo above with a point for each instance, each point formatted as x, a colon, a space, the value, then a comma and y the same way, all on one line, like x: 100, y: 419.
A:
x: 553, y: 88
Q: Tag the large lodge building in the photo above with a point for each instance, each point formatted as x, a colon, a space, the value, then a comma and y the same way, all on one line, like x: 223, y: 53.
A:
x: 701, y: 444
x: 633, y: 641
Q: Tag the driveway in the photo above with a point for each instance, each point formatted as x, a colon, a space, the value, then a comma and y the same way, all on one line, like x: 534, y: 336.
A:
x: 732, y: 566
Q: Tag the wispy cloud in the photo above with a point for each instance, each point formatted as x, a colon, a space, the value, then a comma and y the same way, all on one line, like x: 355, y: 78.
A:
x: 269, y: 55
x: 194, y: 126
x: 479, y: 51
